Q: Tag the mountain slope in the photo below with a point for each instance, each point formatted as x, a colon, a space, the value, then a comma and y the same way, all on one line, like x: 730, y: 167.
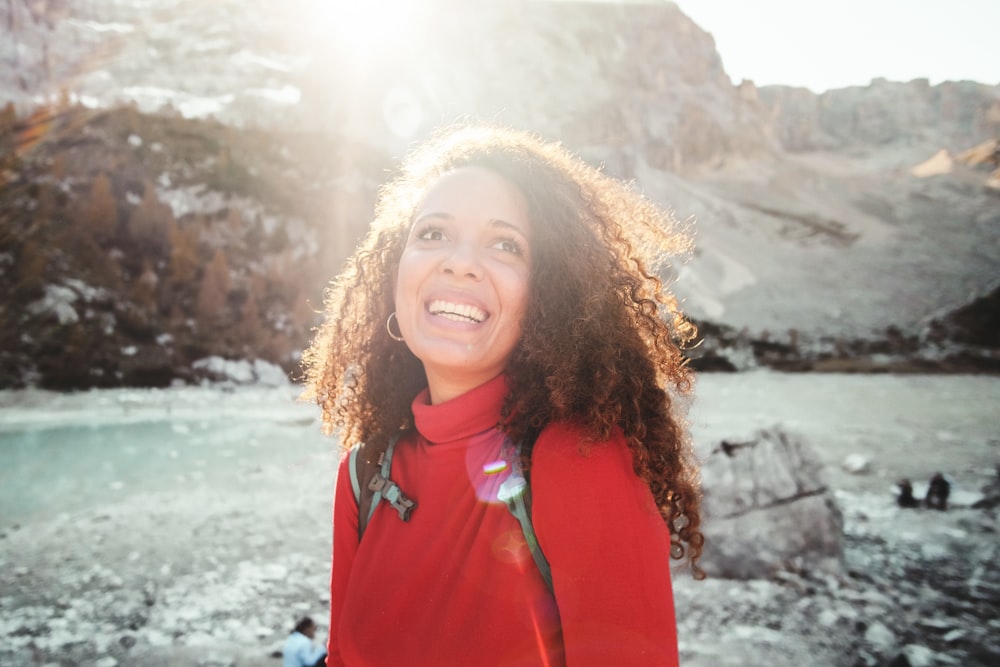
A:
x: 816, y: 239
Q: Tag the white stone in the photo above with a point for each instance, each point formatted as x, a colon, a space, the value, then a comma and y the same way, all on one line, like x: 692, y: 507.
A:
x: 856, y: 464
x: 920, y: 656
x: 881, y: 637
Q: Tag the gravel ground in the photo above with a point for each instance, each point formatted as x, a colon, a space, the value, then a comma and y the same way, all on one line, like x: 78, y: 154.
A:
x: 153, y: 528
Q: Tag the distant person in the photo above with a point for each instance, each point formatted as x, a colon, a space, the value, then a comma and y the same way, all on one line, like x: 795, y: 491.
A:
x: 937, y: 492
x: 505, y: 319
x: 299, y: 650
x: 905, y: 497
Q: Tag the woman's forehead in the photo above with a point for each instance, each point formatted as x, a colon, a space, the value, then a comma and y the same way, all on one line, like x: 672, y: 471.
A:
x: 474, y: 189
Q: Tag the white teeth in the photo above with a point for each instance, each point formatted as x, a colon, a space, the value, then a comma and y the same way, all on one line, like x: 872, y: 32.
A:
x: 457, y: 311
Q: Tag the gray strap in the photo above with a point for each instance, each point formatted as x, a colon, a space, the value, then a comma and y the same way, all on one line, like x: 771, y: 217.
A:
x: 386, y: 467
x: 386, y: 488
x: 353, y: 465
x: 515, y: 492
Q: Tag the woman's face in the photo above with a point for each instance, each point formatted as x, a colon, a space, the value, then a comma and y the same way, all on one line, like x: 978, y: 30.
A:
x: 462, y: 284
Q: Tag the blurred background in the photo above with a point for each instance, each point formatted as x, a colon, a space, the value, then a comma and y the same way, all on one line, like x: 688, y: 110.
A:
x: 179, y: 179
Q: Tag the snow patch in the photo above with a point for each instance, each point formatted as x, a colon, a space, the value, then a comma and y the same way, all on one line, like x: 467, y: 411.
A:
x: 86, y: 291
x: 242, y: 371
x: 153, y: 98
x: 191, y: 199
x: 58, y: 301
x: 97, y: 26
x: 287, y: 95
x: 276, y: 62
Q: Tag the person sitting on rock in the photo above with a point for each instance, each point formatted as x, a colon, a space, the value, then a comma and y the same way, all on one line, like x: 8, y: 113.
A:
x: 905, y: 497
x: 299, y: 650
x: 937, y: 492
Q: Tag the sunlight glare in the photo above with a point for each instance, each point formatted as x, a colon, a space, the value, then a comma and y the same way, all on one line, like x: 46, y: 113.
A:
x: 362, y: 30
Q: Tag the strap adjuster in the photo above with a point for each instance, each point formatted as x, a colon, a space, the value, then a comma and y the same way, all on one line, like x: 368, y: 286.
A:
x: 391, y: 492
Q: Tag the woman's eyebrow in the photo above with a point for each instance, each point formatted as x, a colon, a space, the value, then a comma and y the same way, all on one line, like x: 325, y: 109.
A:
x: 496, y: 222
x: 433, y: 214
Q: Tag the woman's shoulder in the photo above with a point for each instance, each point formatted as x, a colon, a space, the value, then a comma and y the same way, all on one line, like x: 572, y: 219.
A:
x: 573, y: 475
x: 562, y: 444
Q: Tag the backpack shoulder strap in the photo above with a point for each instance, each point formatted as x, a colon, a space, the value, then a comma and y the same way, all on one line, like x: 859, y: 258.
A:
x: 515, y: 492
x: 371, y: 484
x: 363, y: 465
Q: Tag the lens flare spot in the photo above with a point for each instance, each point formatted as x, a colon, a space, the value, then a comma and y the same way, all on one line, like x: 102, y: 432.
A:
x: 494, y: 467
x: 402, y: 112
x: 510, y: 547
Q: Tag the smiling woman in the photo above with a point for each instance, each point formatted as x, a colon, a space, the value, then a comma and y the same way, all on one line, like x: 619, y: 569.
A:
x: 501, y: 330
x: 463, y: 280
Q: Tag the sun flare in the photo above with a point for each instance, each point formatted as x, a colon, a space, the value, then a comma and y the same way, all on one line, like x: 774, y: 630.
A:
x: 362, y: 30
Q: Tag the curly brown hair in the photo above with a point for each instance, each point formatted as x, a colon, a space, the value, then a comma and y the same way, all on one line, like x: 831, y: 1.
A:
x: 602, y: 337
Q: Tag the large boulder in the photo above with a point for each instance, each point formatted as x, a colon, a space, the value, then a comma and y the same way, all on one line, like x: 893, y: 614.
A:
x: 767, y: 509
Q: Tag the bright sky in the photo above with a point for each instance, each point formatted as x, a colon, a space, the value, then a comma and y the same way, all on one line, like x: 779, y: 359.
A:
x: 838, y: 43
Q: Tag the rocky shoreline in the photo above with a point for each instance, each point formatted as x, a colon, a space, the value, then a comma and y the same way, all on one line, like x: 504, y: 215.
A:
x: 919, y: 589
x: 204, y: 549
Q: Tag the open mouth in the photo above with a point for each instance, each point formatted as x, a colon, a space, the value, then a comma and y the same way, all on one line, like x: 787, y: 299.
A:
x: 457, y: 311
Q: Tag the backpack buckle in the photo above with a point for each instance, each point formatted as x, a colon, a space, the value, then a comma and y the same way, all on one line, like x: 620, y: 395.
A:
x: 391, y: 492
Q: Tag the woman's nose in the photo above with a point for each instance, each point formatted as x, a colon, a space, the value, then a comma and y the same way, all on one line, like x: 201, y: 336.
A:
x: 463, y: 260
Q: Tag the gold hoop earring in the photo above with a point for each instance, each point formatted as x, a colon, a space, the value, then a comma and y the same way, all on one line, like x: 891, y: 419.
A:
x: 399, y: 338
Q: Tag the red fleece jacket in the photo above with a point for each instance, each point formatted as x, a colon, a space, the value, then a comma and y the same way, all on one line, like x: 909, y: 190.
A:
x: 456, y: 585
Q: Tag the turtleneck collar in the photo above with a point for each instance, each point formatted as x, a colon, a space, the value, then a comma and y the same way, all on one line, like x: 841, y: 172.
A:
x: 473, y: 412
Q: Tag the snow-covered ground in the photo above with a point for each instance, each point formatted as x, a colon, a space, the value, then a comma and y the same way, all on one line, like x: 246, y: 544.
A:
x: 190, y: 526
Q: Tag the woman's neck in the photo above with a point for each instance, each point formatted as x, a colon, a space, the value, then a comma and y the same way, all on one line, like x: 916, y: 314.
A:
x: 446, y: 386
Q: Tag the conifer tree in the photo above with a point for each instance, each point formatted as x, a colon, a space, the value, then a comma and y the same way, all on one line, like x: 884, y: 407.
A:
x: 150, y: 224
x: 213, y: 293
x: 29, y: 271
x: 184, y: 259
x: 143, y: 291
x: 8, y: 118
x: 249, y: 328
x: 100, y: 213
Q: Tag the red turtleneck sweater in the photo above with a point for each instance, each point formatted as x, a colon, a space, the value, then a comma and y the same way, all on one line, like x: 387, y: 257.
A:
x: 456, y: 585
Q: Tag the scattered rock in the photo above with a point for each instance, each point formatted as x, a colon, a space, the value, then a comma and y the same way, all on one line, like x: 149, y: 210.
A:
x: 920, y: 656
x: 857, y: 464
x: 767, y: 509
x: 991, y: 493
x: 880, y: 637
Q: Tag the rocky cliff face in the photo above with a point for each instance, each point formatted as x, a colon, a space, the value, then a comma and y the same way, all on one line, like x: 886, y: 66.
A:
x: 817, y: 241
x: 626, y: 81
x: 952, y: 114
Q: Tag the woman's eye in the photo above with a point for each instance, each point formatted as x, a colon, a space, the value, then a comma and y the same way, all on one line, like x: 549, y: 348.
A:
x: 432, y: 235
x: 509, y: 245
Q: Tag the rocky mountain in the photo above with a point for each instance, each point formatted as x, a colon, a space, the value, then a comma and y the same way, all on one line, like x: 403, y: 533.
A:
x: 184, y: 176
